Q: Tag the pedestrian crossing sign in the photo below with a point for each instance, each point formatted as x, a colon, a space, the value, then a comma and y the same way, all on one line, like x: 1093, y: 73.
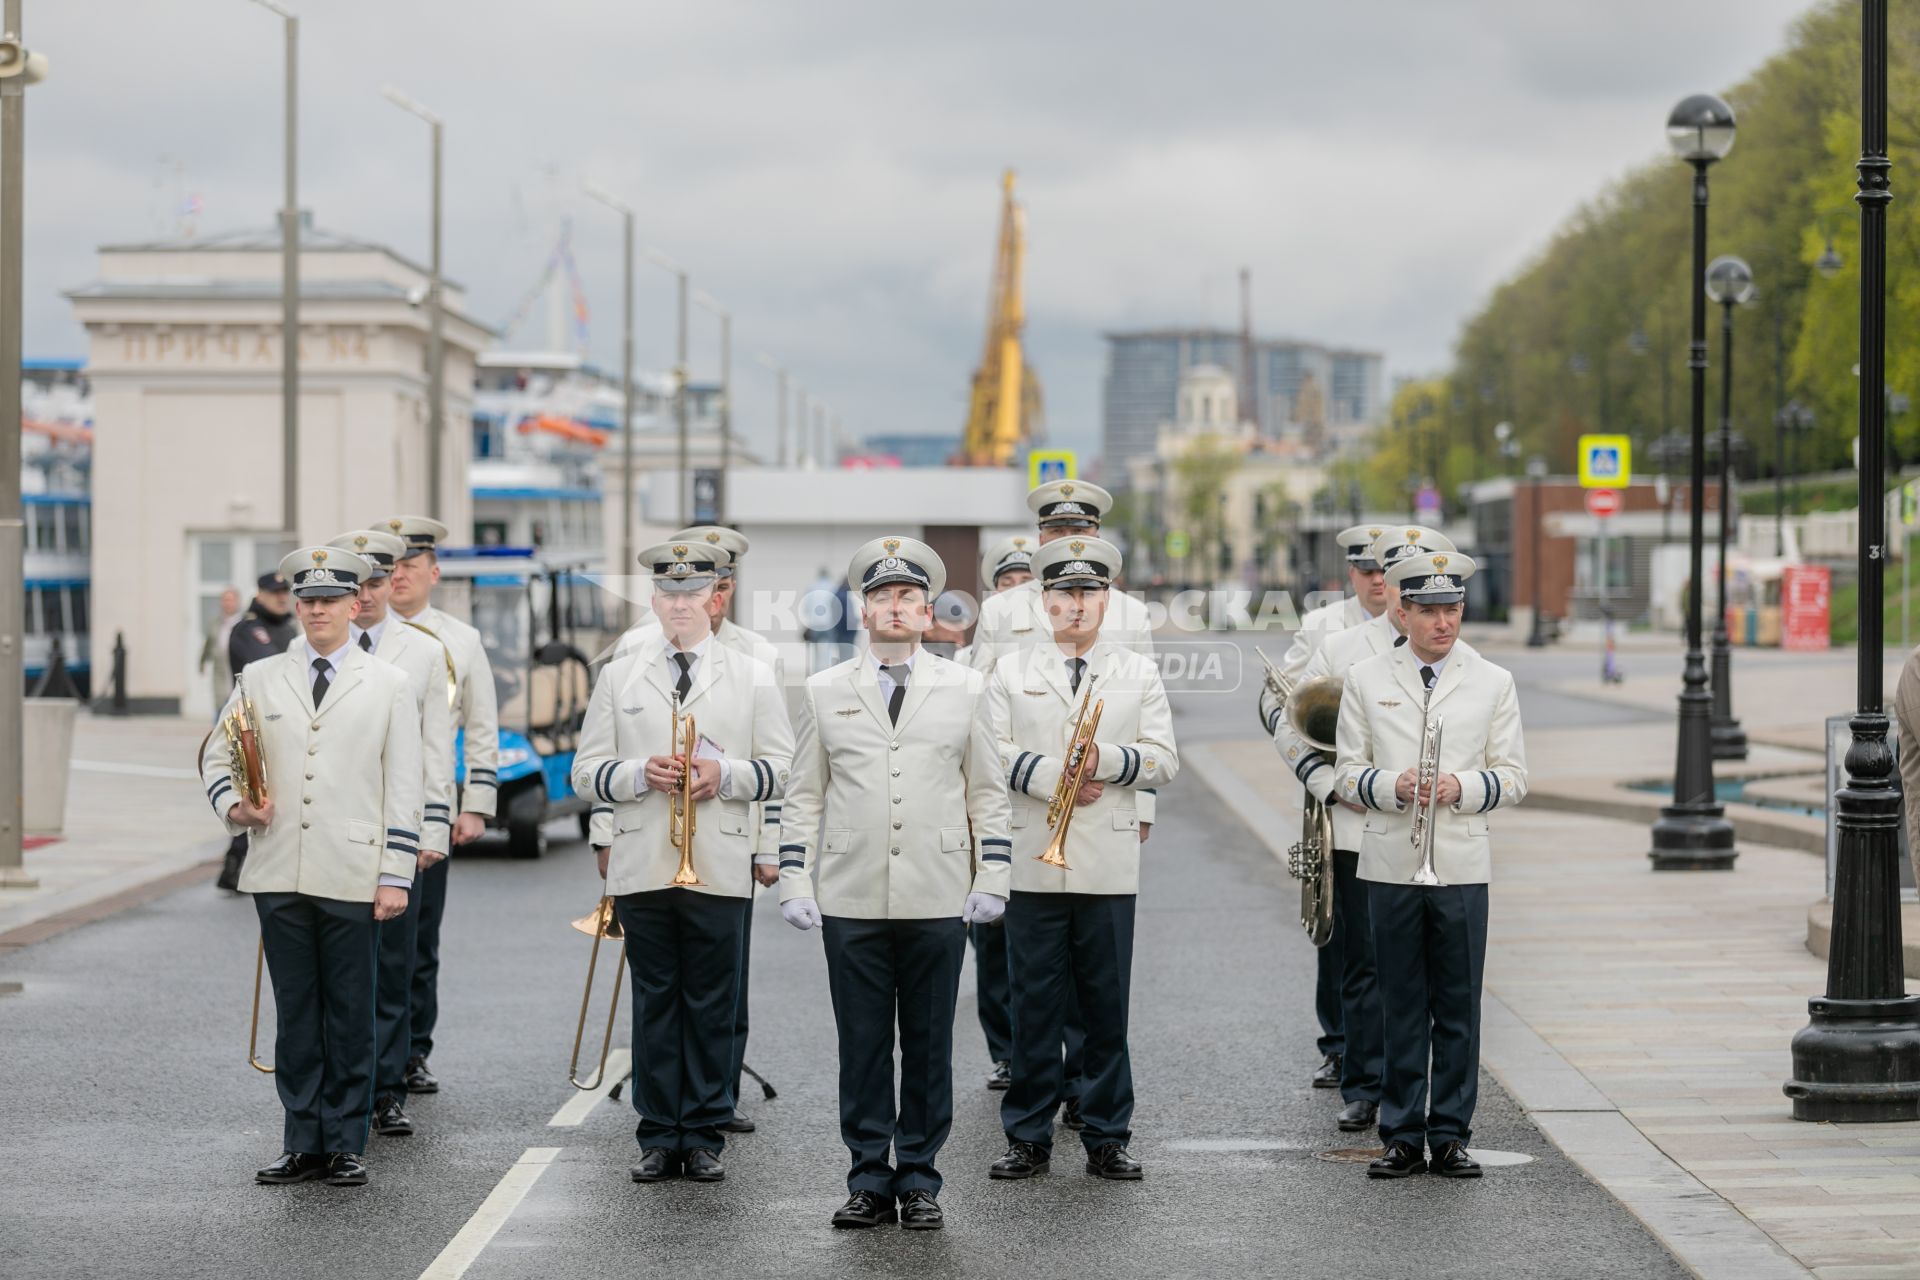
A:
x: 1047, y: 465
x: 1606, y: 462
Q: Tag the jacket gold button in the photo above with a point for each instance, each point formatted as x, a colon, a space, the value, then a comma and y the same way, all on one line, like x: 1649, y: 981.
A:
x: 896, y: 853
x: 306, y: 799
x: 313, y: 751
x: 316, y: 724
x: 896, y: 773
x: 309, y: 777
x: 896, y: 799
x: 897, y: 825
x: 305, y: 825
x: 894, y: 745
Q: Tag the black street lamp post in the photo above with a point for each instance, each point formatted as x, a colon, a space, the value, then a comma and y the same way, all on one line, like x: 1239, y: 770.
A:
x: 1729, y: 283
x: 1536, y: 472
x: 1858, y: 1059
x: 1692, y: 833
x: 1793, y: 418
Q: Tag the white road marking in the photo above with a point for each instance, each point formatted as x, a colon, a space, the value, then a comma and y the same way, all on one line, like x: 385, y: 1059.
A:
x: 584, y: 1100
x: 491, y: 1215
x: 135, y: 770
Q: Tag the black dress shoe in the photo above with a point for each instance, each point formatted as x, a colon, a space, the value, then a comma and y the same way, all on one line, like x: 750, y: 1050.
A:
x: 1023, y: 1160
x: 702, y: 1165
x: 1399, y: 1160
x: 419, y: 1079
x: 737, y: 1124
x: 1070, y: 1115
x: 657, y: 1164
x: 1000, y: 1079
x: 865, y: 1209
x: 346, y: 1169
x: 292, y: 1166
x: 919, y: 1211
x: 1110, y: 1160
x: 389, y: 1120
x: 1328, y: 1076
x: 1358, y: 1114
x: 1450, y: 1160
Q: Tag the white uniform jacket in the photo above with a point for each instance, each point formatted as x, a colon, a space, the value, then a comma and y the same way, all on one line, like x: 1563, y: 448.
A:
x: 1333, y: 658
x: 1033, y: 709
x: 344, y: 780
x: 901, y: 821
x: 736, y: 705
x: 424, y: 660
x: 1480, y: 744
x: 476, y: 710
x: 1315, y: 627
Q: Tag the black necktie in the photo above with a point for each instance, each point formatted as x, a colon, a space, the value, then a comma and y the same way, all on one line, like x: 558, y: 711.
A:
x: 1427, y: 676
x: 1074, y: 667
x: 366, y: 642
x: 685, y: 682
x: 899, y: 695
x: 320, y: 680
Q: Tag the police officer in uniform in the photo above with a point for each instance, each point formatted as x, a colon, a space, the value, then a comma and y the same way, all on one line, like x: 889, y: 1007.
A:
x: 1369, y: 600
x: 683, y: 943
x: 898, y: 802
x: 476, y: 716
x: 334, y: 850
x: 1430, y: 941
x: 428, y: 667
x: 266, y: 628
x: 1361, y: 1062
x: 1070, y: 930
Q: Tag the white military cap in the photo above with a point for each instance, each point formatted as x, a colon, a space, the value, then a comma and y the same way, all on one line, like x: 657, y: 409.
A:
x: 684, y: 565
x: 1008, y: 553
x: 1434, y: 578
x: 731, y: 541
x: 1357, y: 542
x: 1070, y: 504
x: 1077, y: 562
x: 895, y: 559
x: 324, y: 571
x: 421, y: 533
x: 378, y: 549
x: 1403, y: 540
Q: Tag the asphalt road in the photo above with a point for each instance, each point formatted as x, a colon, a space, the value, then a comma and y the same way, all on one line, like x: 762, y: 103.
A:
x: 132, y: 1124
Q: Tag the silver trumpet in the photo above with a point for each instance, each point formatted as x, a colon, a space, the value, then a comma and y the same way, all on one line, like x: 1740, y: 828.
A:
x: 1426, y: 811
x: 1275, y: 684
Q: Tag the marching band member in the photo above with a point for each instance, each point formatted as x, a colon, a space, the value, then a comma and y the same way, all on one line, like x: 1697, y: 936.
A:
x: 1361, y: 1062
x: 476, y: 716
x: 895, y: 760
x: 265, y: 629
x: 334, y: 849
x: 1430, y: 940
x: 428, y: 666
x: 683, y: 941
x: 1070, y: 929
x: 1368, y: 600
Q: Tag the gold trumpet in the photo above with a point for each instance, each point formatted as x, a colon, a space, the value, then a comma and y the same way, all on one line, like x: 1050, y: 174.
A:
x: 599, y: 923
x: 253, y: 1032
x: 1060, y: 805
x: 685, y: 740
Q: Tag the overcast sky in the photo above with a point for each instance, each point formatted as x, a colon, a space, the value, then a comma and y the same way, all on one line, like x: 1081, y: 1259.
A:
x: 829, y: 168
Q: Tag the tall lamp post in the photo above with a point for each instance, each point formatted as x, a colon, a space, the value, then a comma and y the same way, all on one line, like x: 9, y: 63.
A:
x: 1536, y: 472
x: 1792, y: 419
x: 1729, y: 283
x: 706, y: 300
x: 779, y: 398
x: 1692, y: 833
x: 685, y: 482
x: 436, y: 313
x: 290, y: 283
x: 1858, y: 1059
x: 603, y: 196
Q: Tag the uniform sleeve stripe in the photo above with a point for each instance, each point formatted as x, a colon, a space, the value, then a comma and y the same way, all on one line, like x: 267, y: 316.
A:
x: 1273, y: 721
x: 482, y: 782
x: 1496, y: 790
x: 793, y: 848
x: 792, y: 862
x: 1013, y: 774
x: 482, y: 773
x: 996, y: 857
x: 216, y: 797
x: 442, y: 819
x: 1313, y: 765
x: 1026, y: 779
x: 996, y: 840
x: 1366, y: 789
x: 441, y: 807
x: 402, y: 846
x: 599, y: 781
x: 401, y: 831
x: 602, y: 808
x: 221, y: 781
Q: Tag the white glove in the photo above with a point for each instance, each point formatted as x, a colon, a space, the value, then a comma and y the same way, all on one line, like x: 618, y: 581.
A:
x: 801, y: 913
x: 983, y: 908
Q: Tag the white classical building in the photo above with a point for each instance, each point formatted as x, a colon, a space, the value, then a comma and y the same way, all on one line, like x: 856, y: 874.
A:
x: 184, y: 357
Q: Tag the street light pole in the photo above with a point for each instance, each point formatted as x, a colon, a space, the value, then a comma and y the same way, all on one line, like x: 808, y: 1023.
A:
x: 1536, y: 472
x: 436, y: 313
x: 1729, y: 283
x: 290, y: 284
x: 779, y: 398
x: 627, y: 561
x: 1692, y: 833
x: 726, y: 399
x: 1858, y: 1059
x: 685, y: 482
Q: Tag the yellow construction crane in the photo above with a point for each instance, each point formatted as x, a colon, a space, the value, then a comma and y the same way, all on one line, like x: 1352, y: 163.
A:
x: 1005, y: 411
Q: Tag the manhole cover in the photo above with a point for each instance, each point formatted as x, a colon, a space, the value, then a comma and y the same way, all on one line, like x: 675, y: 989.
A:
x: 1352, y: 1155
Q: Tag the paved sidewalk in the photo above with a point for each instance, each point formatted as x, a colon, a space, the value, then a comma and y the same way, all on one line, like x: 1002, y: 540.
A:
x: 136, y: 814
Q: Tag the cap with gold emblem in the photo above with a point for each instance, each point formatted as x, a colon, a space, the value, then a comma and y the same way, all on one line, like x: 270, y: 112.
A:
x: 684, y: 564
x: 1076, y: 562
x: 420, y: 533
x: 885, y: 561
x: 731, y: 541
x: 1070, y: 504
x: 1403, y: 540
x: 378, y: 549
x: 1357, y: 543
x: 316, y: 572
x: 1008, y: 553
x: 1434, y: 578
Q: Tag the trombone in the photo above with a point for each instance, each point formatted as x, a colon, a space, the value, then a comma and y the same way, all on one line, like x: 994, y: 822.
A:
x: 1060, y: 805
x: 598, y: 923
x: 685, y: 740
x: 253, y: 1032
